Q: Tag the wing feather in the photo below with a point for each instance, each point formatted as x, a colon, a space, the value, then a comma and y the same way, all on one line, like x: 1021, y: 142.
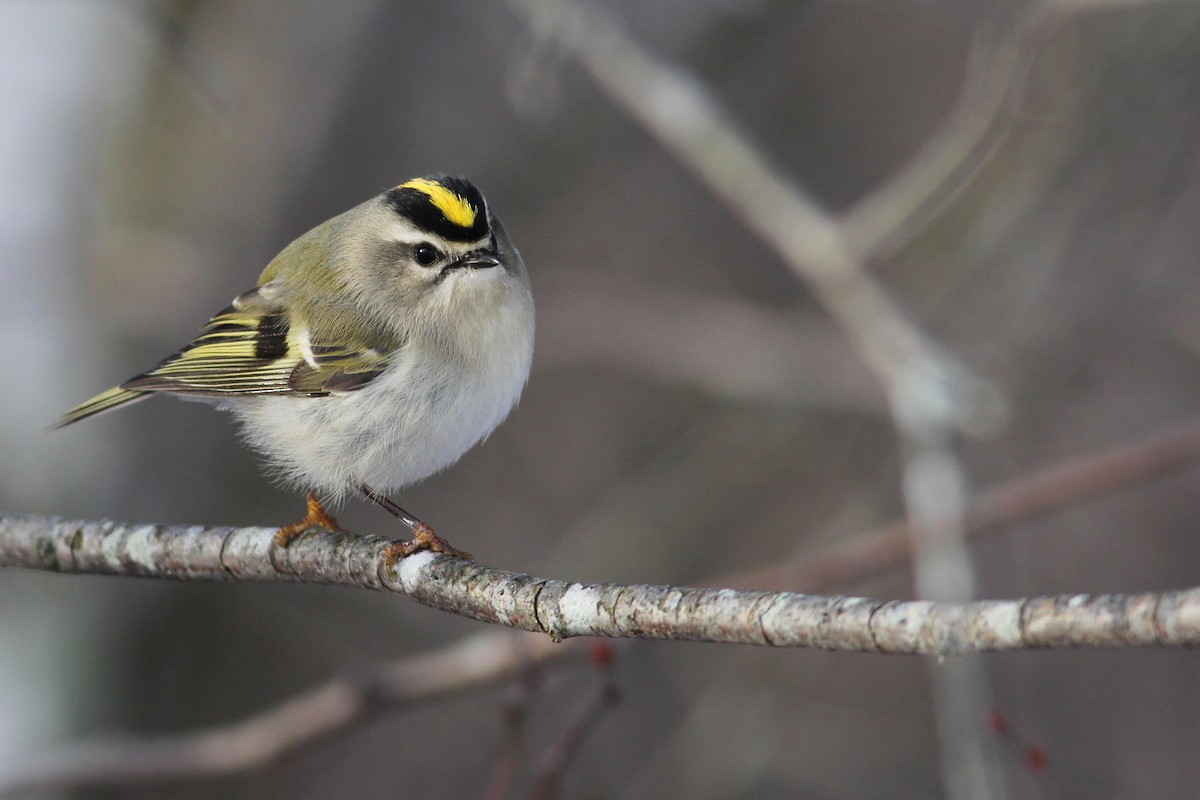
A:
x: 105, y: 401
x: 250, y: 348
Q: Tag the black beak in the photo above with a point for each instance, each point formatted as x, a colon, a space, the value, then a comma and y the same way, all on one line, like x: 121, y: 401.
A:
x: 480, y: 259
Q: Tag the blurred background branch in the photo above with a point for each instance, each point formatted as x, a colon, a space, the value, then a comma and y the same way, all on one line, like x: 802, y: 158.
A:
x: 265, y: 738
x: 678, y: 110
x: 993, y: 510
x: 490, y: 657
x: 931, y: 396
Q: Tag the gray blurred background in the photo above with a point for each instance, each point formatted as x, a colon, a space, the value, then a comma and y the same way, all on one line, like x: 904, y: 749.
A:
x: 691, y: 410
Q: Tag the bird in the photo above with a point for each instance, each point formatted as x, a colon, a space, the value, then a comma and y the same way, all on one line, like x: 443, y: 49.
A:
x: 373, y: 351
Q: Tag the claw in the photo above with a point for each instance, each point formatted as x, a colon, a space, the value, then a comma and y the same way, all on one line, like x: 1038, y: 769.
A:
x: 317, y: 517
x: 423, y: 539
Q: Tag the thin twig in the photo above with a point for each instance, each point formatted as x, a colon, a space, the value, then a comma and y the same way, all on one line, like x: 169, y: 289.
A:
x: 515, y: 708
x: 663, y: 332
x: 561, y: 754
x: 994, y: 75
x: 678, y: 111
x: 261, y: 739
x: 992, y: 511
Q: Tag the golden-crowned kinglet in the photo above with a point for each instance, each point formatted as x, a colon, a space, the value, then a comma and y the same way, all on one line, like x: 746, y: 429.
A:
x: 375, y: 350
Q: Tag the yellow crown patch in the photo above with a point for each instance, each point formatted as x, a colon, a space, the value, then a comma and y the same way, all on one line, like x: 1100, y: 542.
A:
x: 453, y: 207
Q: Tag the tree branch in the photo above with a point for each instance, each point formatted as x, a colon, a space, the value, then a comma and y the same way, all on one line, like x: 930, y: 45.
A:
x: 677, y: 109
x: 340, y: 705
x: 991, y: 511
x: 932, y: 396
x: 492, y: 656
x: 554, y: 763
x: 563, y: 609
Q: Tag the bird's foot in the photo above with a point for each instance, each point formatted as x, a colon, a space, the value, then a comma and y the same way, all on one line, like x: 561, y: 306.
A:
x: 317, y: 517
x: 423, y: 539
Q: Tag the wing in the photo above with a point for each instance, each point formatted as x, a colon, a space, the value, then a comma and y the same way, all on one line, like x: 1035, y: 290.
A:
x: 250, y: 348
x: 105, y: 401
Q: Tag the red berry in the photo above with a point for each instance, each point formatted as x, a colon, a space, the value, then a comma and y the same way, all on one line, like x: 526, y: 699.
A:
x: 602, y: 653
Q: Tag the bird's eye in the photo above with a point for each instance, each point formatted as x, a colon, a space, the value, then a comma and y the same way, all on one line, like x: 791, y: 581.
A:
x: 426, y: 254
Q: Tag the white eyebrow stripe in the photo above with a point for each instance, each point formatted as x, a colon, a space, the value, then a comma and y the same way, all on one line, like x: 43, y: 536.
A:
x: 406, y: 234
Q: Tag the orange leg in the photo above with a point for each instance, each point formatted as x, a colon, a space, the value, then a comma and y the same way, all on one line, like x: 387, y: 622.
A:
x: 423, y: 536
x: 423, y: 539
x: 317, y: 517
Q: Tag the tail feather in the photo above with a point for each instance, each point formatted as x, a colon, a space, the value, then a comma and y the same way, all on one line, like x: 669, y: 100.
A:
x: 105, y: 401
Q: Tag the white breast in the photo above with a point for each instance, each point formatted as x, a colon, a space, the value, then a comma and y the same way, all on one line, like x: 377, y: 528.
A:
x: 418, y: 417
